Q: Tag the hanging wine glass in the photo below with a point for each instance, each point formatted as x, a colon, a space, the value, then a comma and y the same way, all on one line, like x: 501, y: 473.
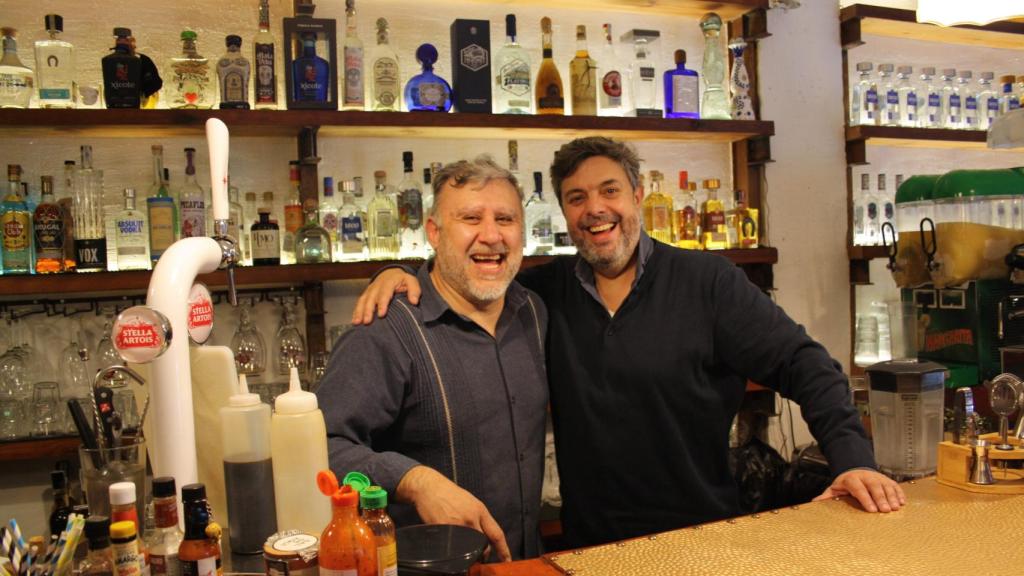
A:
x: 45, y: 402
x: 106, y: 354
x: 291, y: 346
x: 76, y: 381
x: 23, y: 349
x: 13, y: 373
x: 248, y: 346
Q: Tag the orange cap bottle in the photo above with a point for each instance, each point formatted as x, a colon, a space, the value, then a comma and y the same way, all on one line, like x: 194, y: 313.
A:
x: 347, y: 545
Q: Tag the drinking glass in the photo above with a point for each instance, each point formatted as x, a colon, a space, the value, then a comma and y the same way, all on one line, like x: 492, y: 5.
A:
x: 10, y: 419
x: 248, y: 346
x: 291, y: 346
x: 13, y: 375
x: 102, y: 467
x: 44, y: 406
x: 866, y: 349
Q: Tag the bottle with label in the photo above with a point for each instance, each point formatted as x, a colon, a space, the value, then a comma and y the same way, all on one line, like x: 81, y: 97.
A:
x: 347, y: 545
x: 190, y: 76
x: 329, y: 215
x: 745, y: 222
x: 199, y: 554
x: 864, y: 97
x: 62, y: 504
x: 16, y: 79
x: 382, y: 217
x: 951, y: 105
x: 293, y: 216
x: 412, y: 239
x: 298, y: 440
x: 583, y: 77
x: 352, y: 50
x: 374, y: 502
x: 1009, y: 100
x: 714, y: 103
x: 539, y: 236
x: 55, y: 67
x: 266, y: 241
x: 310, y: 73
x: 248, y: 472
x: 236, y: 220
x: 161, y: 211
x: 988, y: 101
x: 610, y: 93
x: 644, y: 76
x: 682, y: 98
x: 685, y: 219
x: 512, y: 79
x: 352, y: 244
x: 265, y: 60
x: 48, y: 228
x: 123, y: 505
x: 16, y: 221
x: 163, y: 541
x: 426, y: 91
x: 860, y: 207
x: 193, y: 200
x: 888, y: 97
x: 128, y: 558
x: 132, y: 238
x: 872, y: 212
x: 386, y: 84
x: 233, y: 72
x: 100, y: 560
x: 907, y: 97
x: 90, y: 230
x: 67, y: 214
x: 886, y: 207
x: 548, y: 88
x: 122, y: 70
x: 657, y: 209
x: 312, y: 241
x: 713, y: 229
x: 968, y: 101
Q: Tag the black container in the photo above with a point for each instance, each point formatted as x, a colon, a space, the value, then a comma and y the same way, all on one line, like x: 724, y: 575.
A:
x: 438, y: 549
x: 122, y: 72
x: 471, y: 65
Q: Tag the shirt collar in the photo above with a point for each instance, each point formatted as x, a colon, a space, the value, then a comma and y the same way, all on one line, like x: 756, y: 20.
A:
x: 433, y: 305
x: 585, y: 272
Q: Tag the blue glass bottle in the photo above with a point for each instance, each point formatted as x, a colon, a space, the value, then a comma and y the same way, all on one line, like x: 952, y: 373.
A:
x: 310, y: 73
x: 427, y: 91
x: 682, y: 92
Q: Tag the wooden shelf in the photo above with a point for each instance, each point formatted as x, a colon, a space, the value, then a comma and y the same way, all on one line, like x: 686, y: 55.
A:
x: 288, y: 123
x: 917, y: 137
x: 861, y: 19
x: 727, y: 9
x: 39, y: 448
x: 867, y: 252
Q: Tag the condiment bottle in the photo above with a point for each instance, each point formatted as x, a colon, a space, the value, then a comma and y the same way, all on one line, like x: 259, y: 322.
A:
x: 99, y: 561
x: 248, y: 472
x: 374, y: 501
x: 127, y: 556
x: 199, y: 553
x: 122, y: 503
x: 299, y: 450
x: 347, y: 545
x: 163, y: 542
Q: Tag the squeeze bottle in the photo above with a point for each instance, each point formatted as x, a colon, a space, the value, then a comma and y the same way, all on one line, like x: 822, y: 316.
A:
x: 347, y: 545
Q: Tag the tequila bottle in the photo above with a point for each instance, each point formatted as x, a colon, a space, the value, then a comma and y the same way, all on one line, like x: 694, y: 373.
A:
x: 512, y: 64
x: 353, y: 241
x: 930, y: 104
x: 583, y: 77
x: 312, y: 242
x: 740, y: 105
x: 266, y: 241
x: 548, y: 88
x: 16, y: 222
x: 715, y: 103
x: 426, y: 91
x: 744, y: 222
x: 161, y: 211
x: 352, y: 48
x: 968, y: 101
x: 16, y: 81
x: 988, y: 101
x: 190, y: 76
x: 644, y: 78
x: 386, y: 85
x: 265, y: 58
x: 714, y: 235
x: 48, y: 226
x: 888, y: 97
x: 951, y: 105
x: 681, y: 90
x: 610, y: 97
x: 658, y: 211
x: 687, y: 214
x: 907, y: 97
x: 310, y: 73
x: 293, y: 215
x: 1009, y: 100
x: 55, y: 67
x: 193, y: 200
x: 130, y: 227
x: 864, y: 98
x: 90, y: 230
x: 410, y: 213
x: 539, y: 237
x: 382, y: 216
x: 233, y: 71
x: 122, y: 73
x: 329, y: 215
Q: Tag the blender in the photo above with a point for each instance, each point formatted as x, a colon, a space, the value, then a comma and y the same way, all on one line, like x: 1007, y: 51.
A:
x: 906, y: 400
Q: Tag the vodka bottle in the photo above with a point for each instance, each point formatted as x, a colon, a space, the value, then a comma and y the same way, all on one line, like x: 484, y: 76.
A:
x: 888, y: 97
x: 1009, y: 100
x: 611, y: 101
x: 131, y: 236
x: 386, y: 84
x: 329, y: 215
x: 352, y: 240
x: 907, y: 97
x: 90, y: 231
x: 968, y: 101
x: 264, y: 58
x: 355, y: 98
x: 512, y: 89
x: 864, y: 99
x: 16, y: 81
x: 413, y: 240
x: 930, y: 102
x: 715, y: 102
x: 951, y: 106
x: 988, y: 101
x: 382, y: 217
x: 55, y: 67
x: 583, y: 77
x: 539, y: 237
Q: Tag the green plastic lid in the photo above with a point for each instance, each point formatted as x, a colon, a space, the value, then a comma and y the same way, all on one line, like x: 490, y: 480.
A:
x: 965, y: 183
x: 917, y: 188
x: 357, y: 480
x: 373, y: 498
x: 188, y: 35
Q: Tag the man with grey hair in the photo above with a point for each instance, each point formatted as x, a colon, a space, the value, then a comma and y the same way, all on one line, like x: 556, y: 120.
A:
x: 443, y: 405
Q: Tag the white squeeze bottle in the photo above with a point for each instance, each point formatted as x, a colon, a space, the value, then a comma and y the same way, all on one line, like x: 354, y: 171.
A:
x: 298, y: 439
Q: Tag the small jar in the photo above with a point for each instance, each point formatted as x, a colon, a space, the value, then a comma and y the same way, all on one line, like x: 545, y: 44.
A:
x: 291, y: 553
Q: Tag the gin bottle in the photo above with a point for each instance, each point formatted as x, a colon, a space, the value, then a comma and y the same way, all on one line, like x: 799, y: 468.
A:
x: 55, y: 67
x: 930, y: 105
x: 968, y: 101
x: 130, y: 227
x: 312, y: 242
x: 539, y: 237
x: 583, y: 77
x: 610, y: 97
x: 907, y: 96
x: 352, y: 48
x: 715, y: 103
x: 310, y: 73
x: 548, y: 89
x: 193, y: 200
x: 264, y: 58
x: 512, y: 63
x: 122, y: 73
x: 190, y: 76
x: 426, y: 91
x: 328, y: 214
x: 988, y: 101
x: 950, y: 116
x: 864, y: 98
x: 266, y: 241
x: 1009, y: 100
x: 681, y: 90
x: 16, y: 82
x: 410, y: 213
x: 161, y: 210
x: 382, y: 216
x: 657, y: 209
x: 48, y: 226
x: 353, y: 241
x: 90, y: 230
x: 645, y: 84
x: 888, y: 97
x: 233, y: 75
x: 386, y: 85
x: 16, y: 223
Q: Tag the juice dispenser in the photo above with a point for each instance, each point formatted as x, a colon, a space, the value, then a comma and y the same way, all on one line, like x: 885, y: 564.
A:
x: 906, y: 401
x: 913, y: 204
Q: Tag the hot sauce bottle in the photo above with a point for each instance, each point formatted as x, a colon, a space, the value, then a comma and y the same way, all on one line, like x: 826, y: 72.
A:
x: 199, y: 553
x: 347, y: 546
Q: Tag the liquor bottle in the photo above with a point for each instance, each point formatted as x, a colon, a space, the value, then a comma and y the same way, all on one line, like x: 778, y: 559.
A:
x: 687, y: 214
x: 864, y: 97
x: 968, y: 101
x: 48, y: 225
x: 907, y: 97
x: 386, y: 85
x: 745, y: 222
x: 55, y: 67
x: 950, y: 116
x: 512, y: 82
x: 163, y: 541
x: 1009, y: 99
x: 67, y: 214
x: 886, y: 207
x: 236, y: 219
x: 610, y: 97
x: 16, y: 80
x: 62, y: 504
x: 539, y: 237
x: 122, y: 70
x: 644, y: 76
x: 658, y: 211
x: 352, y: 245
x: 249, y: 217
x: 374, y: 502
x: 715, y: 102
x: 293, y: 216
x: 132, y: 238
x: 161, y: 212
x: 328, y: 214
x: 713, y: 229
x: 548, y: 89
x: 740, y: 105
x: 888, y: 97
x: 872, y: 212
x: 988, y: 101
x: 354, y: 98
x: 583, y: 77
x: 233, y: 76
x: 382, y: 216
x: 930, y: 106
x: 412, y: 239
x: 426, y: 91
x: 682, y: 98
x: 198, y: 553
x: 193, y: 200
x: 90, y: 230
x: 190, y: 76
x: 265, y: 60
x: 312, y: 242
x: 266, y: 241
x: 310, y: 73
x: 860, y: 207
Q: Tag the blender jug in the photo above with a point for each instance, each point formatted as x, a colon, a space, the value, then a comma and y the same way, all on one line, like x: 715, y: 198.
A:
x: 906, y: 401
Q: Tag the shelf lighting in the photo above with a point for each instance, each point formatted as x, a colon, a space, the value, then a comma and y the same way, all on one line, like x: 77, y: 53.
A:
x: 976, y: 12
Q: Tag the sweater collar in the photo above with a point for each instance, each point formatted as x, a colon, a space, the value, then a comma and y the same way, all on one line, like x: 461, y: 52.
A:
x: 433, y: 305
x: 585, y: 272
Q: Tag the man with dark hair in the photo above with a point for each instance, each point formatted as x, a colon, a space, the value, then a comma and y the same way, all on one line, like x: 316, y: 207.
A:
x: 443, y: 404
x: 649, y: 351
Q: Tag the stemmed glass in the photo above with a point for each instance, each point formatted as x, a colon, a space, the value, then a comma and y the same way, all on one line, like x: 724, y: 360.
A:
x: 106, y: 354
x: 291, y: 346
x: 74, y: 366
x: 248, y: 346
x: 45, y: 399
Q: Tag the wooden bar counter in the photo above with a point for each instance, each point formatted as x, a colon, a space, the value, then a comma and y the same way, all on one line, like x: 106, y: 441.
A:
x: 941, y: 530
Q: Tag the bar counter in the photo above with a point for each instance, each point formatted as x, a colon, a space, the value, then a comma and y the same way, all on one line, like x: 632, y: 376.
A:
x: 941, y: 530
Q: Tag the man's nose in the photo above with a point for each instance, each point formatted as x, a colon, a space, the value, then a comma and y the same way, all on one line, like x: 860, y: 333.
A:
x: 489, y: 231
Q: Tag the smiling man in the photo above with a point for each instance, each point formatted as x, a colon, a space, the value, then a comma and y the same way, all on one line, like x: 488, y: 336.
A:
x: 443, y: 404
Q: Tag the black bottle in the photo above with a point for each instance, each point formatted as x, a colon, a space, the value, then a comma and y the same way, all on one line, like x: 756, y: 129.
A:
x: 121, y: 73
x: 62, y: 505
x: 266, y: 243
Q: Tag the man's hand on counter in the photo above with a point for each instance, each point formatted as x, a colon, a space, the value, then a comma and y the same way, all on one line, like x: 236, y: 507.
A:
x: 438, y: 500
x: 875, y: 491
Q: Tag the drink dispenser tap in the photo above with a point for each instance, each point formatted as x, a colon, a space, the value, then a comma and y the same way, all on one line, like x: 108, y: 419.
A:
x: 890, y: 243
x: 217, y: 141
